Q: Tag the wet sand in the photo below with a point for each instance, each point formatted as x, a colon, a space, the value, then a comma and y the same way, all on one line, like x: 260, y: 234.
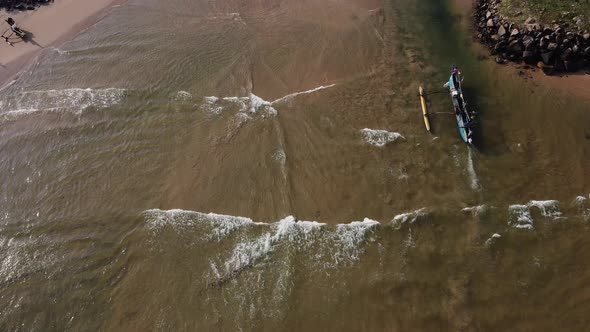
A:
x: 47, y: 26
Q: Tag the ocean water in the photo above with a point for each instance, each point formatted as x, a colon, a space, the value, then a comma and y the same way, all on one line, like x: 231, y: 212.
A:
x: 238, y: 165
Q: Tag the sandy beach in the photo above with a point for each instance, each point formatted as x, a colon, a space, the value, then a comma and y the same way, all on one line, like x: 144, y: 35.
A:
x: 48, y: 26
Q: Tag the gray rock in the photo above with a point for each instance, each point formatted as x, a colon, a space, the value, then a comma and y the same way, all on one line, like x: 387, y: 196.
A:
x: 543, y: 43
x: 567, y: 54
x: 514, y: 32
x: 500, y: 46
x: 495, y: 38
x: 547, y: 57
x: 529, y: 57
x: 488, y: 14
x: 490, y: 23
x: 502, y: 31
x: 586, y: 36
x: 515, y: 46
x: 527, y: 40
x: 533, y: 27
x: 552, y: 46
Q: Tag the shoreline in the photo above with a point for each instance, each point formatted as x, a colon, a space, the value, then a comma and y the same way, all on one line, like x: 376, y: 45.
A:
x: 573, y: 83
x: 73, y: 17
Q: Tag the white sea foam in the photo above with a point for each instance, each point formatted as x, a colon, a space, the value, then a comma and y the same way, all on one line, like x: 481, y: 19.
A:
x: 8, y: 84
x: 76, y: 100
x: 211, y: 99
x: 211, y: 105
x: 582, y: 203
x: 60, y: 51
x: 581, y: 200
x: 280, y: 156
x: 350, y: 238
x: 403, y: 173
x: 183, y: 96
x: 258, y: 104
x: 475, y: 210
x: 548, y: 208
x: 520, y: 214
x: 471, y: 171
x: 293, y: 95
x: 249, y: 252
x: 520, y: 217
x: 223, y: 225
x: 380, y: 137
x: 253, y: 104
x: 256, y: 241
x: 407, y: 218
x: 493, y: 239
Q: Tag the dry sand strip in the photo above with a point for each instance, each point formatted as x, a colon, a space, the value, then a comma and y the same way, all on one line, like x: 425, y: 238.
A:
x: 49, y: 26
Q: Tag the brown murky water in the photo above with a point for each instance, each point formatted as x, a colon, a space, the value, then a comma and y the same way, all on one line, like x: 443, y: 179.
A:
x: 116, y: 147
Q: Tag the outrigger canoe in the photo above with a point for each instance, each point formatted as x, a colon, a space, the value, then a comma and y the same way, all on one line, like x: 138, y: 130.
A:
x: 464, y: 119
x: 424, y: 110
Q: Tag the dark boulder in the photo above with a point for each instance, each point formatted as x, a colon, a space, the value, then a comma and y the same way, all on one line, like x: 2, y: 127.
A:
x: 543, y: 43
x: 515, y: 46
x: 567, y: 54
x: 547, y: 32
x: 499, y: 60
x: 548, y: 70
x: 527, y: 40
x: 529, y: 57
x: 548, y: 57
x: 552, y: 46
x: 500, y: 46
x: 570, y: 65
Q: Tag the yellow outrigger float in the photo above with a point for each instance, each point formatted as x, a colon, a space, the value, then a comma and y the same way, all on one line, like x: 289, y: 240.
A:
x: 424, y: 110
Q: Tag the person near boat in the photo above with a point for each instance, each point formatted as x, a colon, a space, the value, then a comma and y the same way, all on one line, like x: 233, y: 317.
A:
x: 15, y: 28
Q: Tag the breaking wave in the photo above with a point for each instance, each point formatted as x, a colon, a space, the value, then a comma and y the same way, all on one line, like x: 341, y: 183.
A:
x: 254, y: 242
x: 248, y: 105
x: 380, y: 138
x: 293, y: 95
x: 519, y: 215
x: 475, y: 210
x: 407, y: 218
x: 252, y: 104
x: 76, y: 100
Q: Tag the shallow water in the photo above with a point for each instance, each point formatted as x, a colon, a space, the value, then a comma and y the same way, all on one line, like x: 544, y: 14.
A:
x: 118, y: 144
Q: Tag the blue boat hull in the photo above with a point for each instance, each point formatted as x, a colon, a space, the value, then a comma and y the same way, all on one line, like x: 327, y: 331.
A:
x: 461, y: 114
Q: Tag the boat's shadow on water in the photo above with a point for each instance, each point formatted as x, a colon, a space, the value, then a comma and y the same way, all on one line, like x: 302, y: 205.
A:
x: 475, y: 105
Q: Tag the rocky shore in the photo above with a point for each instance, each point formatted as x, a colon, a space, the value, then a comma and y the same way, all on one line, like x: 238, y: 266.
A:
x: 22, y: 4
x: 555, y: 47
